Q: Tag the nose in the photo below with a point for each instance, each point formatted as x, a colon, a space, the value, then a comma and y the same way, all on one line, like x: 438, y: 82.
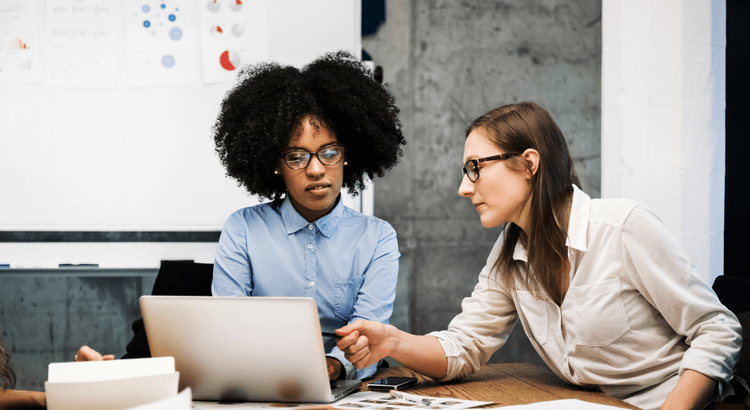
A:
x: 466, y: 188
x: 315, y: 167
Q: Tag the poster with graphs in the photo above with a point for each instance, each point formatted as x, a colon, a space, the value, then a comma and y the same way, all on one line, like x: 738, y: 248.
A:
x: 233, y: 34
x: 19, y: 51
x: 161, y: 42
x: 80, y: 44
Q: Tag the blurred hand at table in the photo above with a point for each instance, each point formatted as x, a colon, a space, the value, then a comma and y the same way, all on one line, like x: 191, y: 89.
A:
x: 87, y: 354
x: 365, y: 342
x: 334, y: 368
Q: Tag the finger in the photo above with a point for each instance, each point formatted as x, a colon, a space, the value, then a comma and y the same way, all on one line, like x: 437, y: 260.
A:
x: 85, y: 354
x: 348, y: 340
x: 362, y: 343
x: 358, y: 325
x: 365, y: 361
x: 108, y: 357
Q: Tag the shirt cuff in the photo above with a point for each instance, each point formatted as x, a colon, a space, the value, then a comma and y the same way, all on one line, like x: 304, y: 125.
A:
x: 451, y: 353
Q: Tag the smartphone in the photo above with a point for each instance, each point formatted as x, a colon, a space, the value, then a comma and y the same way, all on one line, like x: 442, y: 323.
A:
x: 392, y: 383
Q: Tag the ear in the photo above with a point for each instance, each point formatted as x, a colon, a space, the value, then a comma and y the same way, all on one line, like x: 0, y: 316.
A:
x: 531, y: 156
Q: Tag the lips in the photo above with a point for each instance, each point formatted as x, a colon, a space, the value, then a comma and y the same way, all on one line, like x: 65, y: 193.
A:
x: 317, y: 186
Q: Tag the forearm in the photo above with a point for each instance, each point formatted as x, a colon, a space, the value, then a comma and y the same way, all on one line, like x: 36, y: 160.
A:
x: 10, y: 399
x: 693, y: 391
x: 423, y: 354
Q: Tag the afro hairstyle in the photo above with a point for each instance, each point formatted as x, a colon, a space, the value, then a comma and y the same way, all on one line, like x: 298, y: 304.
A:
x: 260, y: 113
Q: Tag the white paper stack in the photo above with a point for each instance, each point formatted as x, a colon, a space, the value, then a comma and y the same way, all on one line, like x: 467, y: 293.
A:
x: 111, y: 384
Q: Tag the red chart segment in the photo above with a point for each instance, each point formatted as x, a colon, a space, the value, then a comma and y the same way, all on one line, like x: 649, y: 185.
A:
x: 229, y: 60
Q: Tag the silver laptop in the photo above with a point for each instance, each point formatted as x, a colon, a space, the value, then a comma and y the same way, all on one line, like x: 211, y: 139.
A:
x: 267, y: 349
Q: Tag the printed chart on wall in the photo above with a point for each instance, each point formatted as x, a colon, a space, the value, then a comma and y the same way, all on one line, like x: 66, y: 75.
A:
x: 233, y: 34
x: 161, y: 42
x: 19, y: 51
x: 80, y: 44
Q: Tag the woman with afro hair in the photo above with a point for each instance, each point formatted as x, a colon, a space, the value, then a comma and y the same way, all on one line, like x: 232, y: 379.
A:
x: 296, y: 137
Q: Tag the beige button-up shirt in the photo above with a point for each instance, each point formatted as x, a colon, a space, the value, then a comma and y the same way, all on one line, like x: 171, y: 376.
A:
x: 637, y: 312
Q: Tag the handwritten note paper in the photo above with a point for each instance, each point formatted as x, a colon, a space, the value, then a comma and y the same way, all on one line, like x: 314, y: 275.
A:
x: 80, y: 46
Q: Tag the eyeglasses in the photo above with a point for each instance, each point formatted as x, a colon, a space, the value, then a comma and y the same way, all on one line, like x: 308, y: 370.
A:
x: 470, y: 167
x: 300, y: 158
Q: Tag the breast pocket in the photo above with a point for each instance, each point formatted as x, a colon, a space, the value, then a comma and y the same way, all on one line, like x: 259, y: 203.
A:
x: 598, y: 313
x: 346, y: 292
x: 532, y: 309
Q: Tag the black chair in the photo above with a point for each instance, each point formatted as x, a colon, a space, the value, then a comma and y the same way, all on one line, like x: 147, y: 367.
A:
x: 175, y: 278
x: 734, y: 293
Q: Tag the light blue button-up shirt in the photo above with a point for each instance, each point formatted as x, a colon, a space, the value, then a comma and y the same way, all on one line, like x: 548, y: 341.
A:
x: 346, y: 261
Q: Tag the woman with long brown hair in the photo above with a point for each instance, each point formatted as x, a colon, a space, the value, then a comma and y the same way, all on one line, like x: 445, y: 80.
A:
x: 14, y: 399
x: 606, y: 295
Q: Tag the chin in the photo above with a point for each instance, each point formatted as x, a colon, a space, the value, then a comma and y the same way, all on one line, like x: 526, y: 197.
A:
x: 488, y: 223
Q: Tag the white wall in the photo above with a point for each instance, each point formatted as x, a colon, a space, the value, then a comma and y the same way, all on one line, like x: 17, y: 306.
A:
x: 663, y: 102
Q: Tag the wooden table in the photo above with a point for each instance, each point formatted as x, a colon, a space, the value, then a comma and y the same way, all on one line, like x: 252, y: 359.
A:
x: 503, y: 384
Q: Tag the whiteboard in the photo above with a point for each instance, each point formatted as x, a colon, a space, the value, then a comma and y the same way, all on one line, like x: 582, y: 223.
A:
x: 137, y: 159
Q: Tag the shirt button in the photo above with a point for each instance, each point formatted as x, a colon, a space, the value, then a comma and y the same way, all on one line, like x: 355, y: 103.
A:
x: 312, y: 283
x: 310, y: 227
x: 310, y: 246
x: 721, y: 317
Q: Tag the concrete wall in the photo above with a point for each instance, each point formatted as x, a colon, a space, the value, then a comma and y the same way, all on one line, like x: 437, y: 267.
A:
x: 47, y: 314
x: 447, y: 62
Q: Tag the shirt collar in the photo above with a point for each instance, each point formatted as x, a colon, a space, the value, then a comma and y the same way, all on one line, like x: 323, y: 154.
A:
x: 578, y: 223
x: 293, y: 221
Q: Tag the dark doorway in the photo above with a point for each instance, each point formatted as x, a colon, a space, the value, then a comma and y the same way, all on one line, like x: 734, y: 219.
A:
x: 737, y: 185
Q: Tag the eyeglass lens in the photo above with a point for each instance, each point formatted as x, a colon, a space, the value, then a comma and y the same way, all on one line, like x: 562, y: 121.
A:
x: 470, y: 169
x: 327, y: 155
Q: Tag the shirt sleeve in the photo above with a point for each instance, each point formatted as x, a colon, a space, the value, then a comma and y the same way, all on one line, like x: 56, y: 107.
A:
x: 482, y: 327
x: 377, y: 293
x: 663, y: 274
x: 232, y: 270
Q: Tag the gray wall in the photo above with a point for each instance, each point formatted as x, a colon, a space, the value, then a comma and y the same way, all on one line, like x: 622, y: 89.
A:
x: 447, y: 62
x: 47, y: 314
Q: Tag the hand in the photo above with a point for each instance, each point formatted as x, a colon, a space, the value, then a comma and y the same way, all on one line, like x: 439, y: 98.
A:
x: 334, y: 368
x: 87, y: 354
x: 365, y: 342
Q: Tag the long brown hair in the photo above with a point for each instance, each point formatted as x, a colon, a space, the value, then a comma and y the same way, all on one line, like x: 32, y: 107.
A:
x: 7, y: 377
x: 515, y: 128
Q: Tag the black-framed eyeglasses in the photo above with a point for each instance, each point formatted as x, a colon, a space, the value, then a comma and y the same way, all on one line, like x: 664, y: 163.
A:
x: 300, y: 158
x: 471, y: 170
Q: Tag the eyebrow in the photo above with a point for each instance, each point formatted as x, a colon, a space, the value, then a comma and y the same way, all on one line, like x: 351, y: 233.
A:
x: 295, y: 148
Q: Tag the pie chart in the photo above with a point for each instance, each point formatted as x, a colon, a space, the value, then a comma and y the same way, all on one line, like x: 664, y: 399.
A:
x: 216, y: 31
x: 229, y: 60
x: 236, y: 5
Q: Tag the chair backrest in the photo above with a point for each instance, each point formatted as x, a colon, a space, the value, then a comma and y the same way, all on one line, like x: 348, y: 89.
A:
x: 734, y: 293
x: 183, y: 278
x: 175, y: 278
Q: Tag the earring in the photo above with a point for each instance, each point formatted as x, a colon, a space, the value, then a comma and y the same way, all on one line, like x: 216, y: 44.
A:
x: 276, y: 171
x: 346, y: 162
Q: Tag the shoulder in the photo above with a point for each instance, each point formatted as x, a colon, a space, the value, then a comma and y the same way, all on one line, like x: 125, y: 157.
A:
x: 263, y: 212
x: 354, y: 219
x: 613, y: 212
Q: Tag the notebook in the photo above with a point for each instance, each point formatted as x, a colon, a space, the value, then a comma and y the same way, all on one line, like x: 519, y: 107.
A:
x: 266, y: 349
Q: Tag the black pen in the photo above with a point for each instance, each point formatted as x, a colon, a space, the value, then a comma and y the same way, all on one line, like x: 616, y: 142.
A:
x: 329, y: 334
